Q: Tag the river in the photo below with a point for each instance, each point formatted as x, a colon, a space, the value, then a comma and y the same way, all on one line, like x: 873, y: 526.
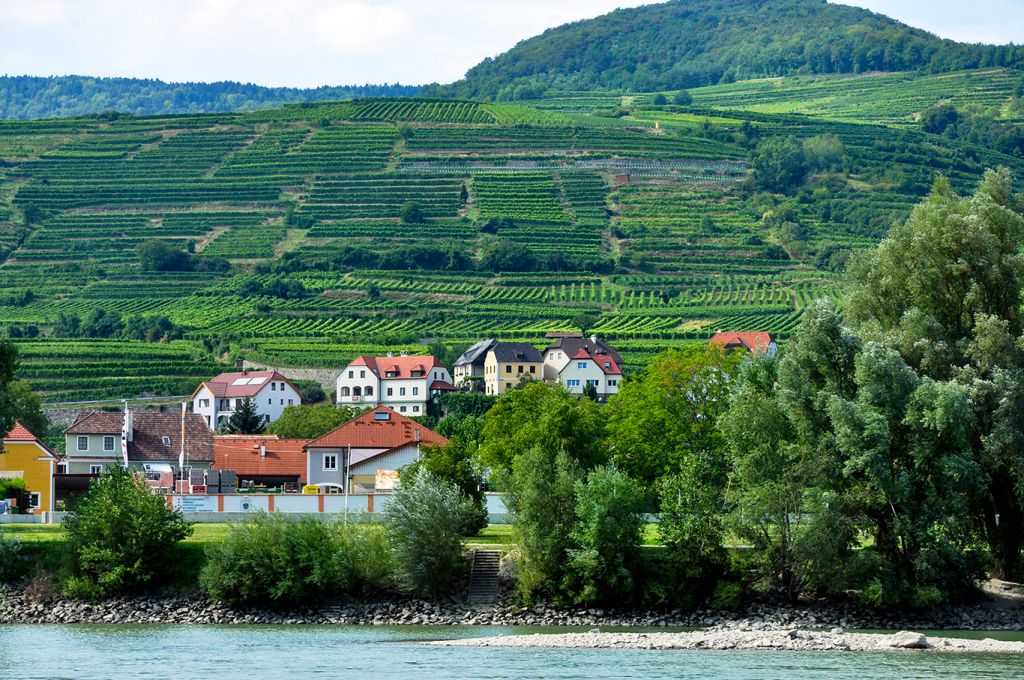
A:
x: 293, y: 652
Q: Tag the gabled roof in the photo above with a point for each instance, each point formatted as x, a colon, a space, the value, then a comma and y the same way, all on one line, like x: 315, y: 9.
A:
x: 517, y: 352
x: 241, y: 384
x: 572, y: 343
x: 400, y: 367
x: 148, y: 431
x: 606, y: 362
x: 244, y: 455
x: 477, y: 354
x: 20, y: 434
x: 755, y: 342
x: 379, y: 428
x: 443, y: 386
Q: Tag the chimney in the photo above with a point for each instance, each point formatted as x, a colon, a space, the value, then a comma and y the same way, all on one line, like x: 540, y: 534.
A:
x: 263, y: 450
x: 593, y: 339
x: 417, y: 436
x: 404, y: 353
x: 239, y: 363
x: 390, y: 354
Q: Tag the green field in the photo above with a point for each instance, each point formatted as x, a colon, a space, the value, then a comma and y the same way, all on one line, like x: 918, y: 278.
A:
x: 641, y: 219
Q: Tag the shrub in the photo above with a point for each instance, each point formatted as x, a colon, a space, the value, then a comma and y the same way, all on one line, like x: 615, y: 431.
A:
x: 10, y: 558
x: 609, y: 522
x: 271, y: 560
x: 424, y: 521
x: 121, y: 537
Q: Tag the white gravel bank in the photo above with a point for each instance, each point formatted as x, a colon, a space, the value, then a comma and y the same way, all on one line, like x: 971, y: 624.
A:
x: 793, y: 640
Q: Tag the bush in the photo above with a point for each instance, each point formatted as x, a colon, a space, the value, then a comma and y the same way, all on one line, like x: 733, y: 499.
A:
x: 603, y: 565
x: 271, y: 560
x: 121, y: 537
x: 10, y: 558
x: 424, y: 521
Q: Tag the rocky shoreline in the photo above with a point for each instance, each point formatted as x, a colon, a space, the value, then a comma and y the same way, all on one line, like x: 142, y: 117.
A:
x: 721, y: 639
x: 17, y: 606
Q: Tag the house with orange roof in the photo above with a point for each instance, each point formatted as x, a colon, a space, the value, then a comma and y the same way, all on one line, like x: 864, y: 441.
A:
x: 217, y: 399
x: 591, y: 366
x: 24, y: 456
x: 754, y: 343
x: 404, y: 383
x: 262, y: 459
x: 369, y: 448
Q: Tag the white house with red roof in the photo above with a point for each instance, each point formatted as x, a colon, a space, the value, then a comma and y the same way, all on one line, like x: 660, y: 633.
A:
x: 591, y: 366
x: 370, y: 449
x: 215, y: 400
x: 404, y: 383
x: 754, y: 343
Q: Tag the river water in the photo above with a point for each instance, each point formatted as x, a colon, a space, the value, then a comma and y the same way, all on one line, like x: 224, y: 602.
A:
x: 371, y: 653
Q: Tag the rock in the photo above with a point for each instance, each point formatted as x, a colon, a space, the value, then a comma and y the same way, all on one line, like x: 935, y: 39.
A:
x: 908, y: 640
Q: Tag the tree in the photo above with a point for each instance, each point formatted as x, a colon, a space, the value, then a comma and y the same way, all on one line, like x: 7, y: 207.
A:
x: 939, y: 118
x: 26, y: 408
x: 310, y: 422
x: 245, y: 419
x: 67, y: 325
x: 9, y: 399
x: 412, y: 213
x: 682, y: 98
x: 453, y: 464
x: 424, y: 520
x: 103, y: 324
x: 659, y: 100
x: 157, y: 255
x: 780, y: 164
x: 584, y: 321
x: 679, y: 395
x: 501, y: 255
x: 609, y: 521
x: 956, y: 315
x: 121, y: 537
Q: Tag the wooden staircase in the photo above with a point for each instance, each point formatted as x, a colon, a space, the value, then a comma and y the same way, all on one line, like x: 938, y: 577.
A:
x: 483, y: 577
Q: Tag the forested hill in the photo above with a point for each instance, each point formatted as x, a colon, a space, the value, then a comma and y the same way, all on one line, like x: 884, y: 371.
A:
x: 29, y: 97
x: 691, y: 43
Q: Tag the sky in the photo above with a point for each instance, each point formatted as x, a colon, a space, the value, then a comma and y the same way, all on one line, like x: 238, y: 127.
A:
x: 307, y: 43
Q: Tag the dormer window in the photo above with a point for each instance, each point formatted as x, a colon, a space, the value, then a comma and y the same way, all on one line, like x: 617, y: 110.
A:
x: 608, y: 364
x: 167, y: 440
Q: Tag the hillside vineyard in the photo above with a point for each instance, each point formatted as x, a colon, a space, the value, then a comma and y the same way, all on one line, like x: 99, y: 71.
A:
x: 317, y: 232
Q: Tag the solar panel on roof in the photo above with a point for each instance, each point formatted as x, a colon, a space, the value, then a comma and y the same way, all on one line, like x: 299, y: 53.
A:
x: 241, y: 381
x: 257, y: 381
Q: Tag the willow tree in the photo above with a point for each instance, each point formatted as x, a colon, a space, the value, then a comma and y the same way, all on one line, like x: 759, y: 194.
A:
x: 944, y: 291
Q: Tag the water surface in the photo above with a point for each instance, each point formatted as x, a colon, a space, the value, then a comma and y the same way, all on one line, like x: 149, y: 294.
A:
x: 291, y: 652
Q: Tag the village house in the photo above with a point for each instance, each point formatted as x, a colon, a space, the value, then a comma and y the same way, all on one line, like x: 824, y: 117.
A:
x: 510, y: 363
x: 215, y: 400
x: 145, y: 440
x: 370, y: 448
x: 591, y: 367
x: 25, y: 457
x: 565, y: 346
x: 261, y: 459
x: 754, y: 343
x: 404, y: 383
x: 470, y: 366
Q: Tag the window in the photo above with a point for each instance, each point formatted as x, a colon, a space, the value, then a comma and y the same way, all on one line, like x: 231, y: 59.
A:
x: 269, y: 401
x: 520, y: 369
x: 402, y: 409
x: 391, y: 391
x: 238, y: 403
x: 581, y: 364
x: 95, y: 469
x: 62, y: 468
x: 351, y: 374
x: 368, y: 391
x: 401, y: 391
x: 533, y: 369
x: 508, y: 368
x: 362, y: 374
x: 83, y: 444
x: 330, y: 461
x: 291, y: 402
x: 108, y: 443
x: 273, y: 387
x: 595, y: 383
x: 607, y: 365
x: 415, y: 391
x: 204, y: 403
x: 416, y: 409
x: 167, y: 440
x: 282, y: 402
x: 381, y: 415
x: 34, y: 499
x: 207, y: 419
x: 572, y: 383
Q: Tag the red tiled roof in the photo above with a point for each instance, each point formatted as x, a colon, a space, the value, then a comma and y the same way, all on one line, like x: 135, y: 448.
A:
x: 756, y: 342
x: 401, y: 367
x: 242, y: 453
x: 20, y: 433
x: 223, y: 386
x: 369, y: 432
x: 600, y: 359
x: 443, y: 385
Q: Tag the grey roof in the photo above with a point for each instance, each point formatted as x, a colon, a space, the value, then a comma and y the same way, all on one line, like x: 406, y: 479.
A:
x: 571, y: 345
x: 148, y: 430
x: 477, y: 353
x: 518, y: 352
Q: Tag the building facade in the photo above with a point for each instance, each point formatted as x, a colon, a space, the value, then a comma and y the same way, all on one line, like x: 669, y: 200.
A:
x: 470, y: 366
x: 565, y: 346
x: 754, y: 343
x: 370, y: 449
x: 261, y: 459
x: 217, y: 399
x: 596, y: 369
x: 24, y: 456
x: 403, y: 383
x: 510, y: 363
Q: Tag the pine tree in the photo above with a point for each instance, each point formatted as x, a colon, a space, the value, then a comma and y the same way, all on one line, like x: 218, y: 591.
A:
x: 245, y: 419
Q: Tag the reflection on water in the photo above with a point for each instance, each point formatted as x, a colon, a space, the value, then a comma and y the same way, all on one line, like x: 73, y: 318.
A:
x: 253, y: 652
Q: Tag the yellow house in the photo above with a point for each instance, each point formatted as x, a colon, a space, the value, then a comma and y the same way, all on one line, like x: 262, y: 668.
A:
x: 26, y: 457
x: 510, y: 363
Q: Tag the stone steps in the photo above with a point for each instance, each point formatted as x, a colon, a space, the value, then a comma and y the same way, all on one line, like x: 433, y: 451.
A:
x: 483, y: 578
